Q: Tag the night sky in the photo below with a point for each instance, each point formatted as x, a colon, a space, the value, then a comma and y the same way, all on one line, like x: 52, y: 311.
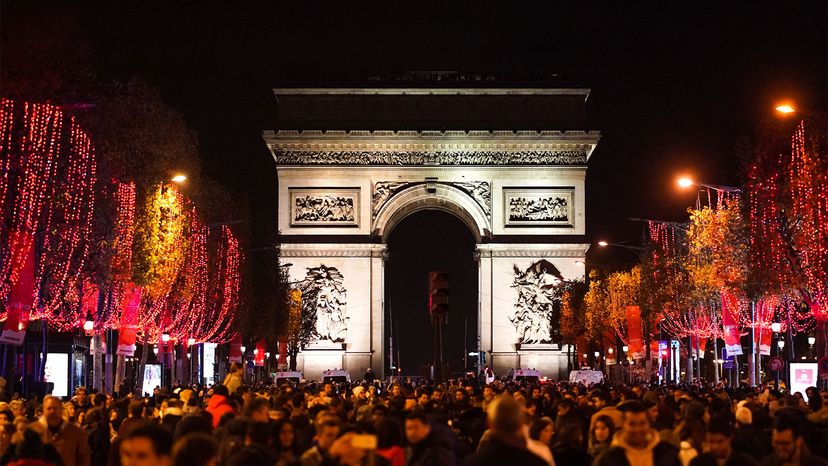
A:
x: 672, y: 90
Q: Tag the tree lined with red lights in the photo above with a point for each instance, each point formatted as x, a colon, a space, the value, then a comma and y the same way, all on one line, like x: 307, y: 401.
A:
x: 189, y: 272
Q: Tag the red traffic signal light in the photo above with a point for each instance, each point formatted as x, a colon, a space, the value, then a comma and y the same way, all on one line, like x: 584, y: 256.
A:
x: 438, y: 292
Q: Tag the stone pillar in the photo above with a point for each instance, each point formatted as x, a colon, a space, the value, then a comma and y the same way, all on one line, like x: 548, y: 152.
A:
x: 484, y: 315
x: 378, y: 311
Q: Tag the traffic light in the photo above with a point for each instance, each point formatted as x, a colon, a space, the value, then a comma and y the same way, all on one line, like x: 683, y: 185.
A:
x: 438, y: 293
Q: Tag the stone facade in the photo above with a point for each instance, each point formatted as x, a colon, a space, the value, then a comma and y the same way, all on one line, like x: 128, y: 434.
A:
x: 517, y: 191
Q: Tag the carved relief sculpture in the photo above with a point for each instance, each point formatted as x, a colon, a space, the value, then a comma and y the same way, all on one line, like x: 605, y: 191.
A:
x: 480, y: 191
x: 535, y: 303
x: 324, y: 207
x: 549, y: 157
x: 323, y: 292
x: 538, y: 206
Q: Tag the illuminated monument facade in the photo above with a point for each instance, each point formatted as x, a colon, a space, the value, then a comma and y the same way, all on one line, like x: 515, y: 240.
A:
x: 509, y: 160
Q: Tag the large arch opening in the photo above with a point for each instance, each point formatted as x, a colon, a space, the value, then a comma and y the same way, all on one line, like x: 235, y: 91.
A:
x: 423, y: 241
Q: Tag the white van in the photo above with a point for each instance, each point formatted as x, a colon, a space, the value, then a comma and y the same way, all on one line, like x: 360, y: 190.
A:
x: 586, y: 377
x: 525, y: 375
x: 336, y: 376
x: 280, y: 378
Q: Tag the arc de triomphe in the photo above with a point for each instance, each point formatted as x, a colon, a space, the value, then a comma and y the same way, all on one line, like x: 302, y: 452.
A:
x: 510, y: 162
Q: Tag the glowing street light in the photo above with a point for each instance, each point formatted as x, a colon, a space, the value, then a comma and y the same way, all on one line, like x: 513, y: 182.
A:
x: 785, y: 109
x: 191, y: 341
x: 811, y: 340
x: 165, y: 337
x: 780, y: 344
x: 179, y: 178
x: 597, y: 354
x: 610, y: 350
x: 776, y: 327
x: 685, y: 182
x: 625, y: 348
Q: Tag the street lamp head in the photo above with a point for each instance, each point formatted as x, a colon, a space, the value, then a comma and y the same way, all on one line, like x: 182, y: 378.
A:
x: 155, y: 349
x: 625, y: 348
x: 88, y: 326
x: 610, y: 350
x: 685, y: 182
x: 165, y: 337
x: 597, y: 354
x: 191, y: 341
x: 780, y: 344
x: 179, y: 178
x: 603, y: 244
x: 811, y: 340
x: 785, y: 109
x: 244, y: 349
x: 776, y: 327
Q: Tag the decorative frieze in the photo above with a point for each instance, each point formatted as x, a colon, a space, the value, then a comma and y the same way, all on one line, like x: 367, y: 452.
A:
x: 530, y: 157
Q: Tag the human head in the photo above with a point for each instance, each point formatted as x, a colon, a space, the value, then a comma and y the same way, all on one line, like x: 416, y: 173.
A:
x: 146, y: 444
x: 744, y: 416
x: 719, y: 437
x: 603, y: 430
x: 787, y: 438
x: 285, y: 434
x: 258, y: 409
x: 504, y: 415
x: 541, y: 429
x: 326, y: 432
x: 636, y: 424
x: 80, y: 395
x: 52, y: 410
x: 416, y: 427
x: 196, y: 449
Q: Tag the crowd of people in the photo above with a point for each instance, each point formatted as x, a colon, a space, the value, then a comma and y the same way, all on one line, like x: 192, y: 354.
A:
x: 419, y: 423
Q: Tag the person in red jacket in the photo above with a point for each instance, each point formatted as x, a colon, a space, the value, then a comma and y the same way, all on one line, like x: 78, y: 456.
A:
x: 218, y: 405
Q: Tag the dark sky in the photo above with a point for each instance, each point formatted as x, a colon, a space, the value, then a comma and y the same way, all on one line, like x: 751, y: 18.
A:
x: 672, y: 88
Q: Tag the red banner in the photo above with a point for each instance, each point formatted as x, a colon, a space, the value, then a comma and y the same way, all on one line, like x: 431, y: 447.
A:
x: 581, y: 347
x: 259, y: 356
x: 235, y: 349
x: 699, y: 345
x: 636, y: 343
x: 763, y: 336
x: 22, y: 294
x: 730, y: 323
x: 282, y: 354
x: 129, y: 320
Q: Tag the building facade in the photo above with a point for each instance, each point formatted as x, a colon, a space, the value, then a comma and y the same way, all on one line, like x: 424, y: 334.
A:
x: 510, y: 162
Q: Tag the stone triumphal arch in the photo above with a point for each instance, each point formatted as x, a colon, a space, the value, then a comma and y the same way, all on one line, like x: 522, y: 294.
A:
x: 510, y: 162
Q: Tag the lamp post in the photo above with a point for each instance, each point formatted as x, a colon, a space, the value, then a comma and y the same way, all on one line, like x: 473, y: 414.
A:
x: 811, y: 342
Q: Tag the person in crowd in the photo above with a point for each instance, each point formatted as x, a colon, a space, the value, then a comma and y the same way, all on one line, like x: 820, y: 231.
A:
x: 748, y: 438
x: 542, y: 429
x: 197, y: 449
x: 600, y: 436
x: 428, y: 448
x: 70, y: 441
x: 788, y: 442
x: 234, y: 378
x: 505, y: 441
x: 326, y: 433
x: 719, y: 446
x: 638, y: 443
x: 218, y: 406
x: 145, y: 444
